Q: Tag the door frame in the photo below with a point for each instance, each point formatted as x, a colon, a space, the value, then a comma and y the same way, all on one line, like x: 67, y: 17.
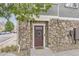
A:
x: 38, y: 24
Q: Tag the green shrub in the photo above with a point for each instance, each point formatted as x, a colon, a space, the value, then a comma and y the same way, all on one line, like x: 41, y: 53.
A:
x: 9, y: 26
x: 9, y: 49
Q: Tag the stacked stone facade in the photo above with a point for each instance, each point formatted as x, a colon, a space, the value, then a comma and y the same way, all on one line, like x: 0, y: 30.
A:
x: 57, y: 35
x: 24, y: 38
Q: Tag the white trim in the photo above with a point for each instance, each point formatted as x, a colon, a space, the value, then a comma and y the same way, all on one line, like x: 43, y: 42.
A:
x: 48, y: 18
x: 43, y: 33
x: 58, y: 10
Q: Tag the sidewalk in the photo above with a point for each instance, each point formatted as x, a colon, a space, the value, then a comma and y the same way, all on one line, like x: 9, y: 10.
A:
x: 68, y: 53
x: 7, y: 54
x: 8, y: 39
x: 48, y: 52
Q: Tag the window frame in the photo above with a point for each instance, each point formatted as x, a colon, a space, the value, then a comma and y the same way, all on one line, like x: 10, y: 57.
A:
x: 71, y: 5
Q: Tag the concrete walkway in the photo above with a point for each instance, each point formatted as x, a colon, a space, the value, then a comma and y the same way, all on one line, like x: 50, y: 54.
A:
x: 68, y: 53
x: 7, y: 54
x: 48, y: 52
x: 41, y: 52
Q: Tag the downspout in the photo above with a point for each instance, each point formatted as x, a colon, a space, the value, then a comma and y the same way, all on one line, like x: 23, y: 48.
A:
x: 18, y: 30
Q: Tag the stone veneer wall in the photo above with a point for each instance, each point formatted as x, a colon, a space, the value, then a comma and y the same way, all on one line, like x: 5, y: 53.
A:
x: 58, y: 36
x: 24, y: 38
x: 58, y: 33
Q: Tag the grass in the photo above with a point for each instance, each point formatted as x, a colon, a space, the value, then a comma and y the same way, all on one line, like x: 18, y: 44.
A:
x: 7, y: 49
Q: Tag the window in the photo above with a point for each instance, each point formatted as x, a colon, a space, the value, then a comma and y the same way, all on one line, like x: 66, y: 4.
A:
x: 68, y: 4
x: 75, y: 5
x: 71, y: 5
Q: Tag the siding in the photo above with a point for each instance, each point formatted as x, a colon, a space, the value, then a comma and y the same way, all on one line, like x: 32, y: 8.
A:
x: 63, y: 11
x: 68, y: 12
x: 52, y: 11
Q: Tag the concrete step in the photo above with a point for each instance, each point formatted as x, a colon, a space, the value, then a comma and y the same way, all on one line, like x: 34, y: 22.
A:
x: 41, y: 52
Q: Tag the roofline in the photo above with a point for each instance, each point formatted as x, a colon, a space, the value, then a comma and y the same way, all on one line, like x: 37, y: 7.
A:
x: 47, y: 18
